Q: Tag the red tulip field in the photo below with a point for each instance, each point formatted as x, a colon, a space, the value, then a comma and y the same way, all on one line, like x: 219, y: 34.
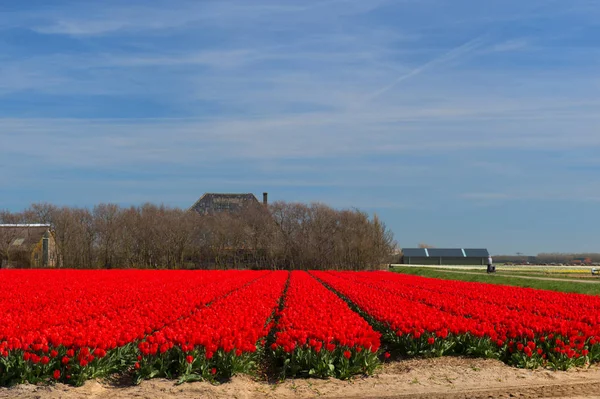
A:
x: 75, y: 325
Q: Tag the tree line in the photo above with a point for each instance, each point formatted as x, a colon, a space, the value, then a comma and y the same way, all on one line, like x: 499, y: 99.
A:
x: 557, y: 257
x: 278, y: 236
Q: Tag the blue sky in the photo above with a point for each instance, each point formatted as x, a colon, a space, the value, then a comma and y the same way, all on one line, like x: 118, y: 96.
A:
x: 461, y: 123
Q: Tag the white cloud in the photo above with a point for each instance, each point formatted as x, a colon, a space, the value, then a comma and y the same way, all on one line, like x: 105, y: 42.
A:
x: 510, y: 45
x: 80, y: 28
x: 373, y: 131
x: 572, y: 192
x: 110, y: 18
x: 439, y: 61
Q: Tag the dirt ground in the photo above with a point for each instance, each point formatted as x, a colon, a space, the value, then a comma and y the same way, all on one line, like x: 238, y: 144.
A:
x: 446, y: 377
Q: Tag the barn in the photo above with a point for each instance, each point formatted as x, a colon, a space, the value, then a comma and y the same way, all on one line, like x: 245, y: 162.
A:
x: 445, y: 256
x: 27, y: 246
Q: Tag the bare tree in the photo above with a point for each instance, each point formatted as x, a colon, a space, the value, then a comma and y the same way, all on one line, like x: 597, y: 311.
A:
x: 106, y: 221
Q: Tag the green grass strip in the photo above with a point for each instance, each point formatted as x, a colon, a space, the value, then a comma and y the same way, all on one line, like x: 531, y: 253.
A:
x: 561, y: 286
x: 507, y: 272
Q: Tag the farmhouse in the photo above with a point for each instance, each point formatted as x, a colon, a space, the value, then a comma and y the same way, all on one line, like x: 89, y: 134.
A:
x: 217, y: 202
x: 444, y: 256
x: 27, y: 246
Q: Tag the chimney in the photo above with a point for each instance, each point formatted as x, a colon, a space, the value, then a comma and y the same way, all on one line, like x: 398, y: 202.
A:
x: 265, y: 196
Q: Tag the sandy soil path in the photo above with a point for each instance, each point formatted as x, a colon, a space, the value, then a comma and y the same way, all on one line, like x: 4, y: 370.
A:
x: 448, y: 377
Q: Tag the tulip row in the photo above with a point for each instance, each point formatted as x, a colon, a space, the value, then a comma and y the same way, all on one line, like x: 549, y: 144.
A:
x: 317, y: 334
x: 217, y: 341
x: 524, y: 327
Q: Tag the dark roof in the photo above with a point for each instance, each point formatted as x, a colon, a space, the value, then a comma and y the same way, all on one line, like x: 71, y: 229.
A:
x: 22, y: 237
x: 416, y: 252
x: 477, y: 253
x: 445, y: 252
x: 217, y: 202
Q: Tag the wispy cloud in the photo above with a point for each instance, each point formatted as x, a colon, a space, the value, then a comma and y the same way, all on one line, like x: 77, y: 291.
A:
x: 80, y: 28
x: 510, y: 45
x: 99, y: 20
x: 445, y: 58
x: 95, y: 19
x: 303, y: 135
x: 576, y: 193
x: 487, y: 196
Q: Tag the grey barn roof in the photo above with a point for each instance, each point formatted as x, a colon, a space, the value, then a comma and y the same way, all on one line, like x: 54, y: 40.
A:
x: 477, y: 253
x: 445, y: 252
x: 414, y: 252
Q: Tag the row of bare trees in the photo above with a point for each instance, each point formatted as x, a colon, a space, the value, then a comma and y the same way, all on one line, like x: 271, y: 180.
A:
x: 282, y: 235
x: 557, y: 257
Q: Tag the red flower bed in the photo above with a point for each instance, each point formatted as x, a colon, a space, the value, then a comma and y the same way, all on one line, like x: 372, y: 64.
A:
x: 72, y: 325
x: 86, y: 327
x: 525, y: 327
x: 319, y: 335
x: 217, y: 341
